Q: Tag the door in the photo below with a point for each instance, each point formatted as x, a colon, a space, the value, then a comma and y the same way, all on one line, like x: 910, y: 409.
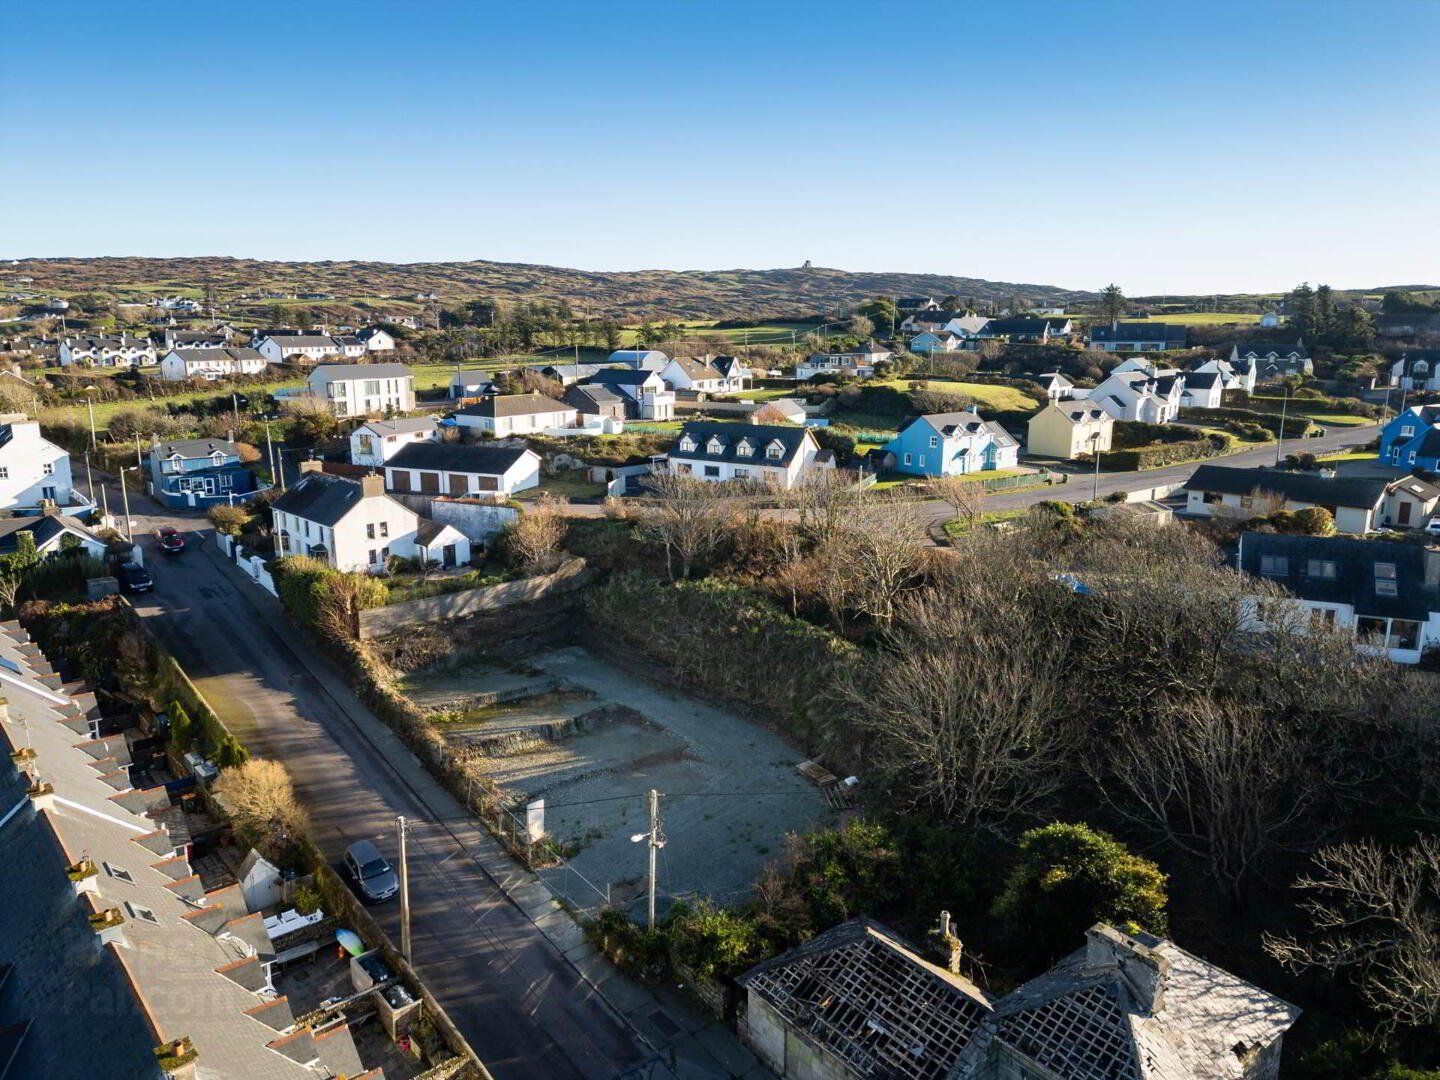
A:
x: 430, y: 483
x: 1404, y: 516
x: 447, y: 556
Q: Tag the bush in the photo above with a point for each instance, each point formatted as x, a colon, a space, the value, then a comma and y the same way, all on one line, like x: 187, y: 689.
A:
x: 839, y: 443
x: 228, y: 520
x: 713, y: 942
x: 1295, y: 426
x: 323, y: 600
x: 1149, y: 457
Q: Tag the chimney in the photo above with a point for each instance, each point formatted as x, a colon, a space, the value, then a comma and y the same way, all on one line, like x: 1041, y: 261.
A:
x: 311, y: 465
x: 1143, y: 969
x: 948, y: 947
x: 372, y: 485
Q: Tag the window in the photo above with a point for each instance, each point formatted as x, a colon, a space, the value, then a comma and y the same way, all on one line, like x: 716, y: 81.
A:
x: 774, y: 451
x: 119, y: 873
x: 143, y: 913
x: 1320, y: 568
x: 741, y: 474
x: 743, y: 448
x: 1385, y: 588
x: 1404, y: 634
x: 384, y: 528
x: 1212, y: 497
x: 370, y: 533
x: 712, y: 470
x: 1274, y: 565
x: 1370, y: 629
x: 4, y: 472
x: 372, y: 386
x: 372, y: 559
x: 1385, y: 570
x: 1407, y: 431
x: 48, y: 468
x: 907, y: 459
x: 687, y: 444
x: 934, y: 442
x: 10, y: 665
x: 922, y: 461
x: 1322, y: 618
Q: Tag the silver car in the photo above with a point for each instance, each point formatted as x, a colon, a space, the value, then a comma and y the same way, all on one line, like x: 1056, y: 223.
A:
x: 374, y: 878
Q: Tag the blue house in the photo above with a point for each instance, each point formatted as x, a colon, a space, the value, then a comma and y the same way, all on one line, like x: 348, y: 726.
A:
x: 948, y: 444
x: 1412, y: 439
x: 198, y: 473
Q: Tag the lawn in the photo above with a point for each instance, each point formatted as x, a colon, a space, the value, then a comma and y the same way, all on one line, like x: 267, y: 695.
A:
x: 1204, y: 318
x: 996, y: 397
x: 770, y: 334
x: 1348, y: 455
x: 570, y: 484
x: 1337, y: 419
x: 770, y: 394
x: 959, y: 527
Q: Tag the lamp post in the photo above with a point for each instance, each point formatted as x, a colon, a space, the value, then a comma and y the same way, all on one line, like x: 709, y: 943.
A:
x: 1280, y: 432
x: 125, y: 501
x: 1095, y: 451
x: 654, y: 841
x: 90, y: 406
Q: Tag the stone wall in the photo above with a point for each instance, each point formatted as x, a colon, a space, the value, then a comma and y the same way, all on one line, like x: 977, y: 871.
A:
x: 377, y: 622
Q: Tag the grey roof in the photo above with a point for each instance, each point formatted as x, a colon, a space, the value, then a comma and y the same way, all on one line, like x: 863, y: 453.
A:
x: 620, y: 376
x: 1201, y: 380
x: 1171, y: 335
x: 567, y: 371
x: 592, y: 397
x: 301, y: 341
x: 400, y: 425
x: 729, y: 366
x: 871, y: 1000
x: 1023, y: 327
x: 321, y: 497
x: 1078, y: 412
x: 362, y: 371
x: 1354, y: 580
x: 453, y: 457
x: 474, y: 377
x: 760, y: 436
x: 210, y: 356
x: 370, y: 331
x: 1053, y: 378
x: 180, y: 336
x: 44, y: 528
x: 696, y: 369
x: 1262, y: 349
x: 964, y: 423
x: 1307, y: 487
x: 514, y: 405
x: 194, y: 448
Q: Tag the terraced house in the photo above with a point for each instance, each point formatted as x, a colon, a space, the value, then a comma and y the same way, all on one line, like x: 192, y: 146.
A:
x: 105, y: 350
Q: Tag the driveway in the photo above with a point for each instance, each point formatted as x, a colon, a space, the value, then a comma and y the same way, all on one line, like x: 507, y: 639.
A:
x: 521, y: 1004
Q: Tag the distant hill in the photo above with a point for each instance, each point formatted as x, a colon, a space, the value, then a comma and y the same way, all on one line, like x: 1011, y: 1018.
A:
x: 625, y: 295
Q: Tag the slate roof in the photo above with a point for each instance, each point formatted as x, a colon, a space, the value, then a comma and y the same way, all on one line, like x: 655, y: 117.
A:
x: 731, y: 435
x: 620, y: 376
x: 568, y: 371
x: 1013, y: 327
x: 592, y: 397
x: 638, y: 357
x: 1053, y: 378
x: 472, y: 378
x: 301, y: 341
x: 321, y: 497
x: 211, y: 356
x: 181, y: 337
x: 1172, y: 336
x: 728, y: 366
x: 1262, y: 349
x: 1355, y: 577
x: 1425, y: 445
x: 402, y: 425
x: 361, y: 371
x: 1201, y: 380
x: 1307, y: 487
x: 514, y: 405
x: 696, y: 369
x: 1078, y: 413
x: 194, y: 448
x: 964, y: 423
x: 454, y: 457
x: 44, y: 528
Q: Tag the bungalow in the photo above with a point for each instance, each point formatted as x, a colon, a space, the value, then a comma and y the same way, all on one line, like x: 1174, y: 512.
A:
x: 1385, y: 594
x: 1272, y: 361
x: 1138, y: 337
x: 1202, y: 390
x: 106, y: 350
x: 1038, y: 331
x: 1355, y: 502
x: 278, y: 347
x: 1067, y: 429
x: 468, y: 384
x: 356, y: 527
x: 1234, y: 375
x: 1137, y: 395
x: 516, y: 414
x: 33, y: 470
x: 774, y: 455
x: 568, y: 374
x: 640, y: 359
x: 432, y: 468
x: 687, y: 373
x: 1410, y: 503
x: 209, y: 364
x: 595, y: 400
x: 52, y: 533
x: 1412, y: 439
x: 376, y: 339
x: 948, y: 444
x: 929, y: 342
x: 786, y: 410
x: 859, y: 362
x: 198, y: 472
x: 1056, y: 386
x: 965, y: 327
x: 645, y: 393
x: 376, y: 441
x: 362, y: 389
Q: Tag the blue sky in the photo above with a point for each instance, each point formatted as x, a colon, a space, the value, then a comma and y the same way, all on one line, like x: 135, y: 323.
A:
x: 1186, y: 147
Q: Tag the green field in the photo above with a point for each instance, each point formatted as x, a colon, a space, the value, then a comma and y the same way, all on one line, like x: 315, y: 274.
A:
x: 1205, y: 318
x: 769, y: 334
x: 997, y: 397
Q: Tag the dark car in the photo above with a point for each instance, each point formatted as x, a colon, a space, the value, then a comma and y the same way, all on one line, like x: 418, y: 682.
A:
x: 134, y: 578
x: 171, y: 541
x: 373, y: 877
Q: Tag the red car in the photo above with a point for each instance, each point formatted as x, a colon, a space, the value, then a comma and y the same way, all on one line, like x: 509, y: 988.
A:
x: 170, y: 540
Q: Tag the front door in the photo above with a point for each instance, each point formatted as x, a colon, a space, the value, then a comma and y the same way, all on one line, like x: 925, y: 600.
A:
x: 1404, y: 516
x: 447, y: 556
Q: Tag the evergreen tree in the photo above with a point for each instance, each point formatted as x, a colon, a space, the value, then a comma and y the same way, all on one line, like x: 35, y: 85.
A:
x: 1112, y: 303
x: 1300, y: 309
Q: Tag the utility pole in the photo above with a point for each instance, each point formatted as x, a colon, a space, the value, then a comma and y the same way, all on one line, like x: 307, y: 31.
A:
x: 90, y: 404
x: 404, y: 892
x: 654, y: 841
x: 270, y: 452
x: 125, y: 498
x: 89, y: 478
x: 139, y: 461
x: 1280, y: 433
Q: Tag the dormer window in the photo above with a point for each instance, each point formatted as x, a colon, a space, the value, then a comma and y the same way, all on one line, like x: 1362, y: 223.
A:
x: 775, y: 451
x: 715, y: 446
x: 743, y: 448
x: 687, y: 444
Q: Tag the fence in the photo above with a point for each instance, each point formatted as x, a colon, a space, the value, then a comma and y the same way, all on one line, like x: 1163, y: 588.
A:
x: 1005, y: 483
x: 252, y: 564
x: 376, y: 622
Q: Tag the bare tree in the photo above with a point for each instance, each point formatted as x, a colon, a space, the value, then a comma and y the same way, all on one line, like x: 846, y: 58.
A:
x: 884, y: 535
x: 768, y: 414
x: 9, y: 587
x: 688, y: 517
x: 260, y: 796
x: 821, y: 501
x: 1375, y: 912
x: 963, y: 494
x: 536, y: 535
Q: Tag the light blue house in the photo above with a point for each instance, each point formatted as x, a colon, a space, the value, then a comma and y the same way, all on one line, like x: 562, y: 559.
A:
x: 1412, y: 439
x: 948, y: 444
x: 199, y: 473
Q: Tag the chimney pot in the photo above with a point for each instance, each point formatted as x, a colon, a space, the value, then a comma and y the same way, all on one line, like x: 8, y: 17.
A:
x: 311, y: 465
x: 1143, y: 969
x: 372, y: 485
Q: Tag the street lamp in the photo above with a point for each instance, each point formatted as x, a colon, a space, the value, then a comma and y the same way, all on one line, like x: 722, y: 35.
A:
x: 1095, y: 451
x: 1280, y: 431
x: 90, y: 405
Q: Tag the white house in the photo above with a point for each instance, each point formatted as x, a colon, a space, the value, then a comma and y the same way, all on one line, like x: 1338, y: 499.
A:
x: 355, y: 526
x: 467, y: 384
x: 857, y: 363
x: 516, y: 414
x: 1272, y: 361
x: 1386, y: 595
x: 195, y: 339
x: 279, y: 347
x: 1355, y: 502
x: 351, y: 347
x: 687, y: 373
x: 776, y: 456
x: 377, y: 339
x: 452, y: 469
x: 1202, y: 390
x: 106, y: 350
x: 645, y: 393
x: 50, y: 532
x: 206, y: 363
x: 1239, y: 375
x: 1057, y: 387
x: 33, y: 470
x: 641, y: 359
x: 376, y: 441
x: 359, y: 389
x: 1136, y: 395
x: 733, y: 370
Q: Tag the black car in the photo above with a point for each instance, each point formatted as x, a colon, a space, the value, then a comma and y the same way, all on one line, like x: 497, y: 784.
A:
x: 134, y: 578
x: 171, y: 541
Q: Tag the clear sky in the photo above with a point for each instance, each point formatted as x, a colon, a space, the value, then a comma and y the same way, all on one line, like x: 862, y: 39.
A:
x: 1165, y: 145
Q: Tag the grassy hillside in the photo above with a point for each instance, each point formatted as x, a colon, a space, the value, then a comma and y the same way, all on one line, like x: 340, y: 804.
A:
x: 629, y: 296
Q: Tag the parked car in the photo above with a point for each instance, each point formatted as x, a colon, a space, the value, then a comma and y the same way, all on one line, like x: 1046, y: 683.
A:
x: 171, y: 541
x: 374, y: 878
x: 134, y: 578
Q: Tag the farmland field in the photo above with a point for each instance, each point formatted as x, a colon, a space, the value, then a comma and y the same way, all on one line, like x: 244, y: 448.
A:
x: 996, y: 397
x: 1205, y: 318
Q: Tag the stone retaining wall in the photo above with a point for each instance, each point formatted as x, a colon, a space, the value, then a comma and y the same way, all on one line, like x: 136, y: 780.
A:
x: 377, y: 622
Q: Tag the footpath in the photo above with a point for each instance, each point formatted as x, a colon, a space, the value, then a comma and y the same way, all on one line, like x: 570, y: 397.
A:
x: 687, y: 1043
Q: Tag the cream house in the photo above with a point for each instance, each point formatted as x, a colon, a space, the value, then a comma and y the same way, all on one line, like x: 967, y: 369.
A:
x: 1067, y: 429
x: 516, y: 414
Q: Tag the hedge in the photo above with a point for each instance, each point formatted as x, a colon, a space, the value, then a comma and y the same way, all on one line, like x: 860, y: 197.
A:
x: 1303, y: 405
x: 1295, y: 426
x: 1150, y: 457
x: 1136, y: 434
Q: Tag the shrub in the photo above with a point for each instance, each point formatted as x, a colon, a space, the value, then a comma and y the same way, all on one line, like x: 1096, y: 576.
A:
x: 182, y: 729
x: 713, y: 941
x: 228, y: 520
x: 841, y: 444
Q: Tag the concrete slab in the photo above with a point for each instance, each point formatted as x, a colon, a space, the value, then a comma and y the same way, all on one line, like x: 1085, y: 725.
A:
x: 628, y: 996
x: 693, y: 1060
x: 597, y: 969
x: 561, y: 930
x: 725, y: 1048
